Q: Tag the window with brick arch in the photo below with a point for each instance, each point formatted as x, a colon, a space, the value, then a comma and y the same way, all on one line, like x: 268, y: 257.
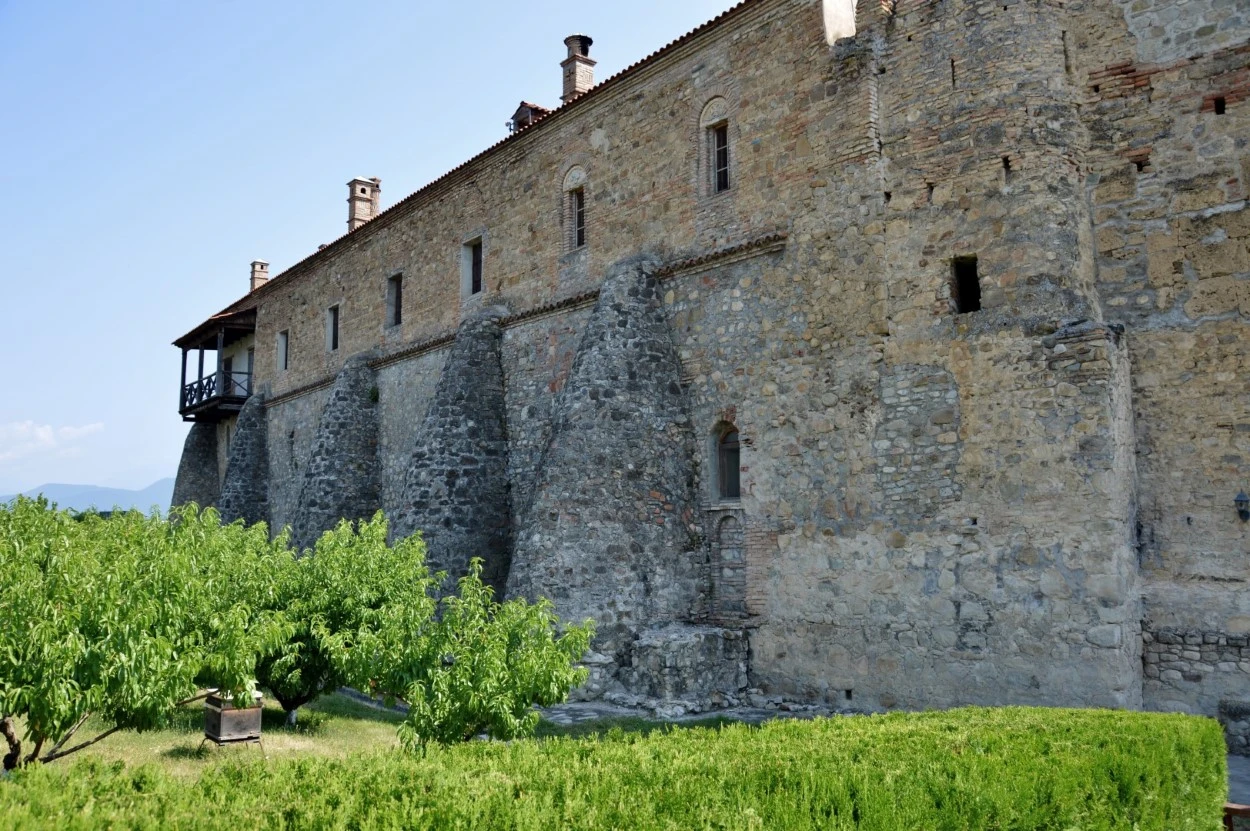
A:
x: 574, y: 215
x: 716, y: 154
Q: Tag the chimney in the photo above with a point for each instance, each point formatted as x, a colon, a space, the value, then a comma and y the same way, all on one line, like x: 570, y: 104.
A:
x: 362, y: 201
x: 579, y: 69
x: 260, y: 274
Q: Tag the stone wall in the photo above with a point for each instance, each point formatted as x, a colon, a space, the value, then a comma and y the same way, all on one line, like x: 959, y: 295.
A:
x: 611, y: 532
x: 1195, y: 669
x: 197, y: 470
x: 1235, y: 716
x: 1170, y: 179
x: 456, y: 487
x: 537, y: 355
x: 341, y: 478
x: 940, y: 505
x: 245, y: 489
x: 293, y: 427
x: 405, y: 390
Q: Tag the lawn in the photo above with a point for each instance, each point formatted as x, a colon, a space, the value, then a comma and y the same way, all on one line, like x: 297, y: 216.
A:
x: 334, y: 726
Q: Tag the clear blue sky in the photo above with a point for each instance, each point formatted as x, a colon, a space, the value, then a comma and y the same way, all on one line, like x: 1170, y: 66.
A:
x: 152, y: 149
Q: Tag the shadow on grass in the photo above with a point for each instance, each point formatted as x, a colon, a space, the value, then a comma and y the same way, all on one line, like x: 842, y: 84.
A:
x: 313, y: 718
x: 186, y: 751
x: 340, y: 706
x: 624, y: 726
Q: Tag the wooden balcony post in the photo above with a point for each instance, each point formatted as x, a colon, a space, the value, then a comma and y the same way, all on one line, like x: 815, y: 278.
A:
x: 182, y: 388
x: 200, y: 375
x: 221, y: 345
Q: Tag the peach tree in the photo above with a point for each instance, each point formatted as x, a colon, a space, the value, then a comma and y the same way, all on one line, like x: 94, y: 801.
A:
x: 124, y: 618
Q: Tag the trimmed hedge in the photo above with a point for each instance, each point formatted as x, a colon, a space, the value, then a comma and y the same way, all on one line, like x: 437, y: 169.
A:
x: 1007, y: 768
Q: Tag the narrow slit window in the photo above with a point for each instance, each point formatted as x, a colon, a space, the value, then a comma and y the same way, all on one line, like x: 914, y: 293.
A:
x: 1220, y: 105
x: 395, y: 300
x: 475, y: 267
x: 284, y: 350
x: 1007, y: 168
x: 332, y: 328
x: 965, y: 285
x: 720, y: 158
x: 577, y: 214
x: 472, y: 281
x: 729, y: 464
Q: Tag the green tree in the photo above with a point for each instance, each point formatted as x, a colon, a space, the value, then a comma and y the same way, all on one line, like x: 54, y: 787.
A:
x: 125, y: 618
x: 477, y: 667
x: 337, y: 587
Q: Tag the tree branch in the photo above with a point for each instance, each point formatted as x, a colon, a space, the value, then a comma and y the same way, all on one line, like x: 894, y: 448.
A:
x: 187, y: 701
x: 34, y: 754
x: 70, y: 734
x: 52, y: 757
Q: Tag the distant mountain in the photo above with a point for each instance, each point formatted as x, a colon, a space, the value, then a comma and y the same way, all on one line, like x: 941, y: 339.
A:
x: 82, y: 497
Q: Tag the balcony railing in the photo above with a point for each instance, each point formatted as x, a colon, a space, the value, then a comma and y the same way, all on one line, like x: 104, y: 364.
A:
x: 220, y: 385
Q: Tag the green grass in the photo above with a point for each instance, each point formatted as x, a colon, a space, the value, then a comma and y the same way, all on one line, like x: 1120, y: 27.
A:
x: 333, y: 726
x: 964, y: 770
x: 623, y: 725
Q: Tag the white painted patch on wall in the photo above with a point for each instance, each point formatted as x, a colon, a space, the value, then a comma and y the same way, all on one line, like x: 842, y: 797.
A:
x: 839, y: 19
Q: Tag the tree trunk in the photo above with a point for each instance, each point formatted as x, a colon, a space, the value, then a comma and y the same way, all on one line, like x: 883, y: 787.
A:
x: 290, y: 717
x: 14, y: 756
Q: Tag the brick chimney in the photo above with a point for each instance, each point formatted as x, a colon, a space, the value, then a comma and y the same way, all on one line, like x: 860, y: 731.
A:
x: 579, y: 69
x: 260, y: 274
x: 362, y: 201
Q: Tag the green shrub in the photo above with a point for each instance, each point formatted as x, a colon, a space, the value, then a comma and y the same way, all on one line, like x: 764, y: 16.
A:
x: 962, y: 770
x: 477, y: 667
x: 341, y: 586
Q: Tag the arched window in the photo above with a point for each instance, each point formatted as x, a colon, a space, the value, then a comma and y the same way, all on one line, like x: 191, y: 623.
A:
x: 574, y: 209
x: 728, y: 463
x: 715, y: 152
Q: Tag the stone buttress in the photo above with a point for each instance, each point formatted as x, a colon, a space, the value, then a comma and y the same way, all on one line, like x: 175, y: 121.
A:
x: 611, y: 533
x: 342, y: 479
x: 197, y: 470
x: 245, y: 490
x: 456, y: 489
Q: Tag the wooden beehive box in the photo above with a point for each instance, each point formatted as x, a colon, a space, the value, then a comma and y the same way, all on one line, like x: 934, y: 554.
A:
x: 225, y: 723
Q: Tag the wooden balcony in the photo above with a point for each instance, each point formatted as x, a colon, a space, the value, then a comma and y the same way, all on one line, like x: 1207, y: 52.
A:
x: 215, y: 396
x: 220, y: 391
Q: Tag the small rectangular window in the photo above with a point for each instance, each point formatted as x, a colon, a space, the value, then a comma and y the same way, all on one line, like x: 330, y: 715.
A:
x: 1220, y: 104
x: 965, y: 285
x: 720, y: 158
x: 577, y: 211
x: 395, y: 300
x: 471, y: 277
x: 332, y: 328
x: 284, y: 346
